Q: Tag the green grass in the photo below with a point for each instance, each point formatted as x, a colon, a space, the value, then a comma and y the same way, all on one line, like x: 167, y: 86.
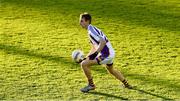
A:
x: 38, y: 36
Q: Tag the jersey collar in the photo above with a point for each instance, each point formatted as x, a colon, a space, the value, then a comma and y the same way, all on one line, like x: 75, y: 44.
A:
x: 89, y: 26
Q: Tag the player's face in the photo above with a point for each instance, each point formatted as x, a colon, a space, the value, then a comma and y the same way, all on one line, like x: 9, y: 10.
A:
x: 84, y: 23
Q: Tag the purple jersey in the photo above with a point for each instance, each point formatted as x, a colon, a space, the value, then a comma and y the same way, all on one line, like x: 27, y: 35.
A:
x: 94, y: 35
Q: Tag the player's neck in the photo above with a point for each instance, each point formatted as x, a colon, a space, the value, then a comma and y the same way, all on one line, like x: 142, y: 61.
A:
x: 87, y: 26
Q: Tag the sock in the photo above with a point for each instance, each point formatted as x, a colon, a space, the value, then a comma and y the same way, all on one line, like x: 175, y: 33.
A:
x: 125, y: 82
x: 91, y: 83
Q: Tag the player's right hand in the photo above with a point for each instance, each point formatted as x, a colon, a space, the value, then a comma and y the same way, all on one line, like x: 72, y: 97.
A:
x: 81, y: 60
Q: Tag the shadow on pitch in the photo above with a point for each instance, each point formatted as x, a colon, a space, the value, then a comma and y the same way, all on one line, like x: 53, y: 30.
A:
x: 158, y: 81
x: 137, y: 12
x: 123, y: 98
x: 66, y: 61
x: 155, y: 81
x: 108, y: 95
x: 9, y: 49
x: 149, y: 93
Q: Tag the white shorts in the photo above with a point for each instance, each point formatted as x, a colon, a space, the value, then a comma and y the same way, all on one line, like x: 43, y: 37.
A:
x: 104, y: 60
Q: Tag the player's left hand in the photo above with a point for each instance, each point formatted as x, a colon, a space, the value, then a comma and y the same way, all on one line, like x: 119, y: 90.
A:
x: 93, y: 56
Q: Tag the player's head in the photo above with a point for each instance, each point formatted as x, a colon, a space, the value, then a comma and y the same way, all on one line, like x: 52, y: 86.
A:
x: 85, y: 19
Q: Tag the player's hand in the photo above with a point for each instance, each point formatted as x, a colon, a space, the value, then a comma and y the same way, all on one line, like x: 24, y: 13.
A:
x: 82, y: 60
x: 93, y: 56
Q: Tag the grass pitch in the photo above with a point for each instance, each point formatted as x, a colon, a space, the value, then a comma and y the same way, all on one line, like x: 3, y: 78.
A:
x: 38, y: 36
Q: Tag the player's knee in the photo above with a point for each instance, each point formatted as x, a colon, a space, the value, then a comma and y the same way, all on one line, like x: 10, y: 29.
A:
x: 110, y: 69
x: 83, y: 64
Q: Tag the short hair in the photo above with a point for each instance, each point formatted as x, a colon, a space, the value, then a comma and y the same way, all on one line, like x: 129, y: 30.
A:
x: 86, y: 16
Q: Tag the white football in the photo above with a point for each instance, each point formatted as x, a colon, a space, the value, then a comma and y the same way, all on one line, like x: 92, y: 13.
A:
x: 77, y: 55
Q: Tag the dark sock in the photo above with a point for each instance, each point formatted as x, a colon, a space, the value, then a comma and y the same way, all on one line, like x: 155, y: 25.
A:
x: 91, y: 83
x: 125, y: 82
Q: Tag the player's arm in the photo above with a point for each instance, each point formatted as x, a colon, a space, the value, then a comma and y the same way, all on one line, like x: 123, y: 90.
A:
x: 91, y: 51
x: 100, y: 47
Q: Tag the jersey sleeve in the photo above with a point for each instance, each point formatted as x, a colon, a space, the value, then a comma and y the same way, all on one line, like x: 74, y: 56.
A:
x: 97, y: 33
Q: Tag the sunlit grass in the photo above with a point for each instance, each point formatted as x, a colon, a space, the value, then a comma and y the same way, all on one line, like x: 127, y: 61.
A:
x: 38, y: 36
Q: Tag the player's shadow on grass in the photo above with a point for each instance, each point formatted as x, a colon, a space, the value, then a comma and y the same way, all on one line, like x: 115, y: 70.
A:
x: 108, y: 95
x: 158, y: 81
x: 149, y: 93
x: 123, y: 98
x: 155, y: 81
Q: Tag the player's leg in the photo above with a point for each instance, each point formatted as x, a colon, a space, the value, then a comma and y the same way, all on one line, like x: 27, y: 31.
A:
x: 117, y: 74
x: 85, y: 65
x: 114, y: 72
